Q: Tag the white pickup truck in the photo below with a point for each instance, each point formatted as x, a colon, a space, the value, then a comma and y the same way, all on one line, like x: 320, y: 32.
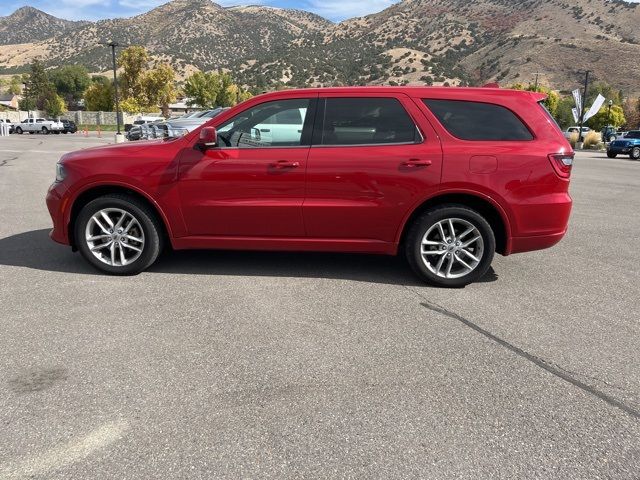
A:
x: 39, y: 125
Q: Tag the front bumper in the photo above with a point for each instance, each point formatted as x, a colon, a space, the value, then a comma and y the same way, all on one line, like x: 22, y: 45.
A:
x: 57, y: 203
x: 619, y: 150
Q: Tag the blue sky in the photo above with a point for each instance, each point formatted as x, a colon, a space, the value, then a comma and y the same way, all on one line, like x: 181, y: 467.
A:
x: 335, y: 10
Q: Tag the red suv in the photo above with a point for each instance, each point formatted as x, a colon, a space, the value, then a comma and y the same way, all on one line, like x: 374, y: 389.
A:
x: 445, y: 176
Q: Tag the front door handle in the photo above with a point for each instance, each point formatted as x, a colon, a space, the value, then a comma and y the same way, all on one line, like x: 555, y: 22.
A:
x: 416, y: 162
x: 281, y: 164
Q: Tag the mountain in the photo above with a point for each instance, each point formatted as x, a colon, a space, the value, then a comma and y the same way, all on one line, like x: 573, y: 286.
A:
x: 29, y: 24
x: 453, y: 42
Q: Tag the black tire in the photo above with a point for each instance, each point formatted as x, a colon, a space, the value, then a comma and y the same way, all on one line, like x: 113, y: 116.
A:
x: 635, y: 153
x: 422, y: 224
x: 65, y: 132
x: 612, y: 155
x: 57, y: 132
x: 19, y: 130
x: 612, y: 138
x: 45, y: 131
x: 147, y: 219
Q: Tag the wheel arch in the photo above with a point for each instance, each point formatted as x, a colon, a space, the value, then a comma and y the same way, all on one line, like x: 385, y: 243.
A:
x: 485, y: 206
x: 95, y: 191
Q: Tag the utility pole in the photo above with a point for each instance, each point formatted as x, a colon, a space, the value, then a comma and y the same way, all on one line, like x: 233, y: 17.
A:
x: 536, y: 84
x: 584, y: 103
x: 113, y: 46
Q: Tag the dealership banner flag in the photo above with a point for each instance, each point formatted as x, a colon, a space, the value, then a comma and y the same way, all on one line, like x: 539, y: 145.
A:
x: 597, y: 103
x: 578, y: 99
x: 576, y: 115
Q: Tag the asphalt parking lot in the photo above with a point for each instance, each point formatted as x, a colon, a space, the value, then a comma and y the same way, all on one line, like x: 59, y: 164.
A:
x: 277, y: 365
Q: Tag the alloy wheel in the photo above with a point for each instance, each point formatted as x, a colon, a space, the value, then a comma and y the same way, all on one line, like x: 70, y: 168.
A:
x: 452, y: 248
x: 115, y: 237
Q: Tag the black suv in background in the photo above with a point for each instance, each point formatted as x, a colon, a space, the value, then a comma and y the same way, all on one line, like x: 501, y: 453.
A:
x: 69, y: 126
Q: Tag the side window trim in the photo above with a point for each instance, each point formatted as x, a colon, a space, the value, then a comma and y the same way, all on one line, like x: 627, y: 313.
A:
x: 307, y: 127
x: 320, y: 118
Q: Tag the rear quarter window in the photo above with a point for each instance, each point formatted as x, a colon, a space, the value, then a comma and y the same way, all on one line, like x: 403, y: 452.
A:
x: 478, y: 121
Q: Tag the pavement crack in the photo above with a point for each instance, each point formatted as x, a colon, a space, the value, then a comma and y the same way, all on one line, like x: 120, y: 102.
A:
x: 5, y: 163
x: 552, y: 368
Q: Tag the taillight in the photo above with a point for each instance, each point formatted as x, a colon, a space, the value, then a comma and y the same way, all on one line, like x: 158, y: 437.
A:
x: 562, y: 163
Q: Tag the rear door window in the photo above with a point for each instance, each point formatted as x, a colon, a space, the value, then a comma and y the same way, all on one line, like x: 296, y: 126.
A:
x: 366, y: 121
x: 478, y: 121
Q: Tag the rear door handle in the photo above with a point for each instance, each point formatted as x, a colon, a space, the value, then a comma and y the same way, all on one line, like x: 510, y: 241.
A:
x: 416, y: 162
x: 285, y: 164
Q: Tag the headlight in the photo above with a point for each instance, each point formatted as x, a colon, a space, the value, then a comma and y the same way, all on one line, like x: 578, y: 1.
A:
x: 60, y: 172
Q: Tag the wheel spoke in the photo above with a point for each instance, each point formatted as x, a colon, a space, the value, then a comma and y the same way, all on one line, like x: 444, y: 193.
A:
x: 465, y: 264
x: 100, y: 226
x: 440, y: 264
x: 113, y: 253
x: 131, y: 237
x: 120, y: 220
x: 451, y: 258
x: 129, y: 225
x: 101, y: 246
x: 474, y: 239
x: 98, y: 237
x: 444, y: 237
x: 452, y: 231
x: 106, y: 218
x: 123, y: 260
x: 466, y: 232
x: 431, y: 242
x: 434, y: 252
x: 126, y: 245
x: 470, y: 255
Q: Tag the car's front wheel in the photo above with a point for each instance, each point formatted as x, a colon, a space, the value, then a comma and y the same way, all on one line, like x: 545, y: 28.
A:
x: 635, y: 153
x: 612, y: 155
x: 45, y: 131
x: 450, y: 246
x: 118, y: 234
x: 19, y: 130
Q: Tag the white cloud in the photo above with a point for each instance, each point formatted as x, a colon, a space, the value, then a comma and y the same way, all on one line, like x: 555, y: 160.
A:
x: 342, y: 9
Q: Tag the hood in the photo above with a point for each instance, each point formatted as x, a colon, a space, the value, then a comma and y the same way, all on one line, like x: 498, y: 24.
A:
x: 115, y: 150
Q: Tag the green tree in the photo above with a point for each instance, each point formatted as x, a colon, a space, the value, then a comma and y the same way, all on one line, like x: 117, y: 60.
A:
x: 36, y: 87
x: 602, y: 118
x: 604, y: 89
x: 15, y: 85
x: 53, y: 103
x: 563, y: 115
x: 202, y: 89
x: 70, y: 81
x: 99, y: 97
x: 133, y: 61
x: 159, y: 87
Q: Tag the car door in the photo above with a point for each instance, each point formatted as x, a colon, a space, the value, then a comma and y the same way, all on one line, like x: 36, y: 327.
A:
x: 373, y: 158
x: 250, y: 184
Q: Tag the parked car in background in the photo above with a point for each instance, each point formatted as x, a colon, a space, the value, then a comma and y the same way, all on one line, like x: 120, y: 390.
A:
x: 173, y: 127
x: 342, y: 170
x: 574, y: 130
x: 628, y: 145
x: 69, y: 126
x: 8, y: 122
x: 609, y: 133
x: 39, y: 125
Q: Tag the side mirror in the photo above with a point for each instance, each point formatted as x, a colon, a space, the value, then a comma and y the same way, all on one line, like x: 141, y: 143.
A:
x: 208, y: 138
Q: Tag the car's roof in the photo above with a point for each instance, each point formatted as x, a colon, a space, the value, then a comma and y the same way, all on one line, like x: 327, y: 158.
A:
x: 419, y: 91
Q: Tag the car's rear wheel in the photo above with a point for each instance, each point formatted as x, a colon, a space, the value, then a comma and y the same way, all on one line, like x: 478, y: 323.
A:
x: 19, y: 130
x: 612, y: 155
x: 612, y: 138
x: 635, y: 153
x: 450, y: 246
x: 45, y: 131
x: 118, y: 234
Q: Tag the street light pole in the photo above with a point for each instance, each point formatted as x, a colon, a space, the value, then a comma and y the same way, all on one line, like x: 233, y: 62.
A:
x: 609, y: 113
x: 584, y: 103
x: 113, y: 46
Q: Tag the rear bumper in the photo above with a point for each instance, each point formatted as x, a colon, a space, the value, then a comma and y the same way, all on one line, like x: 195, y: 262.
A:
x: 539, y: 242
